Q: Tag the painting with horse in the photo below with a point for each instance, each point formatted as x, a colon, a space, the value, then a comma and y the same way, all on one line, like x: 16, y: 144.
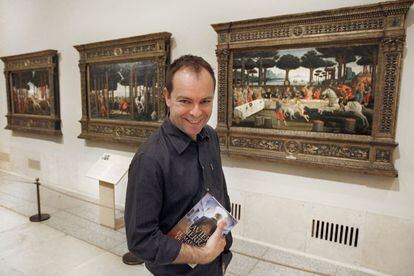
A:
x: 320, y: 89
x: 124, y: 91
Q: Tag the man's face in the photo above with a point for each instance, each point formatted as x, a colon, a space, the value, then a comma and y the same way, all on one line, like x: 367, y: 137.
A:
x: 191, y: 101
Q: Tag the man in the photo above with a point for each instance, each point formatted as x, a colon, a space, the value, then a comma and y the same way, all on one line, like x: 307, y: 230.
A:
x: 208, y: 224
x: 172, y: 171
x: 280, y: 113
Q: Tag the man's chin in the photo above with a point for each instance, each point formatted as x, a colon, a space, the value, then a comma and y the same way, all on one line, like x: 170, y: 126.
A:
x: 192, y: 132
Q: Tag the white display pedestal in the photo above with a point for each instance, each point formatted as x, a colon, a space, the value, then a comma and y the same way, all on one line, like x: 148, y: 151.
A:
x: 109, y: 170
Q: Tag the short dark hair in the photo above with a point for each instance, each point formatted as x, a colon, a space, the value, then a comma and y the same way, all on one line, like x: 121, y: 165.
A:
x: 194, y: 63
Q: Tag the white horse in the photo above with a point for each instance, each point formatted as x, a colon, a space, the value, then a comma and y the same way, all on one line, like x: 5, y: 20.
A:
x: 140, y: 103
x: 292, y: 108
x: 332, y: 97
x: 356, y: 109
x: 352, y: 106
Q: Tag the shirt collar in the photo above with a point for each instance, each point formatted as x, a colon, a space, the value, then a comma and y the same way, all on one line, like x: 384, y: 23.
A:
x: 178, y: 138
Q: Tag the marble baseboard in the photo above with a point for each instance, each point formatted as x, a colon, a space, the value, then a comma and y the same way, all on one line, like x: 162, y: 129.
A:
x: 281, y: 259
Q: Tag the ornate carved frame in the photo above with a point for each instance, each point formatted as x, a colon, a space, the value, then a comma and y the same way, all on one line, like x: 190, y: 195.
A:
x: 41, y: 124
x: 152, y: 47
x: 382, y: 24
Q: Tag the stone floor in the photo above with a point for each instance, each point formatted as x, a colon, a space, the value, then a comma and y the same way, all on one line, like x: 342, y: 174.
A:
x: 72, y: 242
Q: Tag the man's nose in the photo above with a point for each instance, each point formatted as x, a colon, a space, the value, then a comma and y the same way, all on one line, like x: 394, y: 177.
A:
x: 196, y: 111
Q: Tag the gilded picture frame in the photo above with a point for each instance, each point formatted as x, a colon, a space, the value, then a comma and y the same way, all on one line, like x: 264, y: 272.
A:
x: 32, y: 86
x: 318, y: 88
x: 121, y: 87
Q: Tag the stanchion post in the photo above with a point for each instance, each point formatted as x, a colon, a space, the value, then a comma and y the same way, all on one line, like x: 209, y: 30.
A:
x: 39, y: 216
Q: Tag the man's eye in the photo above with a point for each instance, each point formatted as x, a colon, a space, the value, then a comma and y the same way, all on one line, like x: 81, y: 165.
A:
x: 206, y: 102
x: 184, y: 101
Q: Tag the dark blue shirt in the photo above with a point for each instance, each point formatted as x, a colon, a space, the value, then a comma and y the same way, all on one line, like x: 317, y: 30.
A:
x: 168, y: 175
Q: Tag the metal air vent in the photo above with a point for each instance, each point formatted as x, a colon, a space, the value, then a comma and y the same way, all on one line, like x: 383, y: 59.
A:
x: 236, y: 210
x: 334, y: 232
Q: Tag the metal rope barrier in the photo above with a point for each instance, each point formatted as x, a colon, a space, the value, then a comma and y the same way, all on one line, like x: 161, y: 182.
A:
x: 128, y: 258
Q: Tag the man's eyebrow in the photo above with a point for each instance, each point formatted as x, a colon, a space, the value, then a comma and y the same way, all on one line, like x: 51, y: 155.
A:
x: 187, y: 98
x: 183, y: 98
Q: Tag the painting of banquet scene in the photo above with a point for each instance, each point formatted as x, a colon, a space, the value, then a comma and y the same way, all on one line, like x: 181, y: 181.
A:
x: 124, y: 91
x: 327, y: 89
x: 30, y: 92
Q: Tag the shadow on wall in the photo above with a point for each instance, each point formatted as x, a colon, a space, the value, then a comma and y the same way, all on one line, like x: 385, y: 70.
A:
x: 371, y: 181
x: 50, y: 138
x: 111, y: 146
x: 408, y: 22
x: 410, y: 18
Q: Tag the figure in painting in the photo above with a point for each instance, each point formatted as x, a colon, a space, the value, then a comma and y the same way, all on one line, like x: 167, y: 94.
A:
x: 125, y: 91
x: 280, y: 113
x: 30, y: 92
x: 296, y: 87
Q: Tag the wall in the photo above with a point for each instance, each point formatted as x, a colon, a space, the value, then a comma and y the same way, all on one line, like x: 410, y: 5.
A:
x: 279, y: 198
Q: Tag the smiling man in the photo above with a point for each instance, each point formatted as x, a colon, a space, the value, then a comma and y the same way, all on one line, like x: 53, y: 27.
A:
x: 172, y: 171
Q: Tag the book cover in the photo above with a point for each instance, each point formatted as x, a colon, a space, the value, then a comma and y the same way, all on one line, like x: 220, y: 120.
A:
x: 201, y: 221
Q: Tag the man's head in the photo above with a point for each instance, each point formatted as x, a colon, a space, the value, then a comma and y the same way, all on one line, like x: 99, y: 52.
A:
x: 218, y: 216
x: 189, y: 93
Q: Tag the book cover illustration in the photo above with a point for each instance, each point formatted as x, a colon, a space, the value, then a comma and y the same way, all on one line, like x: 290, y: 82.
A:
x: 201, y: 221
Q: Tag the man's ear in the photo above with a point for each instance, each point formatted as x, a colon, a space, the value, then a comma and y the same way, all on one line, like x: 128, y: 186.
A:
x: 167, y: 96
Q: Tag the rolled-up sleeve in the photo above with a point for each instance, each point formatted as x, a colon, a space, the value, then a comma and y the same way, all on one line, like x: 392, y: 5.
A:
x: 144, y: 201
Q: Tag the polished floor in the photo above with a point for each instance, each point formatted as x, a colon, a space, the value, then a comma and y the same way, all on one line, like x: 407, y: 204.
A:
x: 72, y: 242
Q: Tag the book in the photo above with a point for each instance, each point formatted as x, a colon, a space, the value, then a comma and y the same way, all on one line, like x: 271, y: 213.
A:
x: 196, y: 227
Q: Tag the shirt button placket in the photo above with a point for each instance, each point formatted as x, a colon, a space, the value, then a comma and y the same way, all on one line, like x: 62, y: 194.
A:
x: 205, y: 180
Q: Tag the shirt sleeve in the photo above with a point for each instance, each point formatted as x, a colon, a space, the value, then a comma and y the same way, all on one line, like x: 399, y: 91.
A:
x: 143, y: 204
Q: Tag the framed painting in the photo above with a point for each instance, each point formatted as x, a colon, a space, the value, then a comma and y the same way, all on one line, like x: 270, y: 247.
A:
x: 121, y: 83
x: 33, y: 92
x: 318, y: 89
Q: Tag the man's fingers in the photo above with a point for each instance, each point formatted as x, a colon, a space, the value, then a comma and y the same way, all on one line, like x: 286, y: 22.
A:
x: 221, y: 224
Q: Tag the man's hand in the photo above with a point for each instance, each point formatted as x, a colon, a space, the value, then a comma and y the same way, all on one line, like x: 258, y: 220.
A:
x: 215, y: 244
x: 204, y: 255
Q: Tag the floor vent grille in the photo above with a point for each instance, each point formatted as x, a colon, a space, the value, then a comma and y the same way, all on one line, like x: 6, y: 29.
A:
x: 334, y: 232
x: 236, y: 210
